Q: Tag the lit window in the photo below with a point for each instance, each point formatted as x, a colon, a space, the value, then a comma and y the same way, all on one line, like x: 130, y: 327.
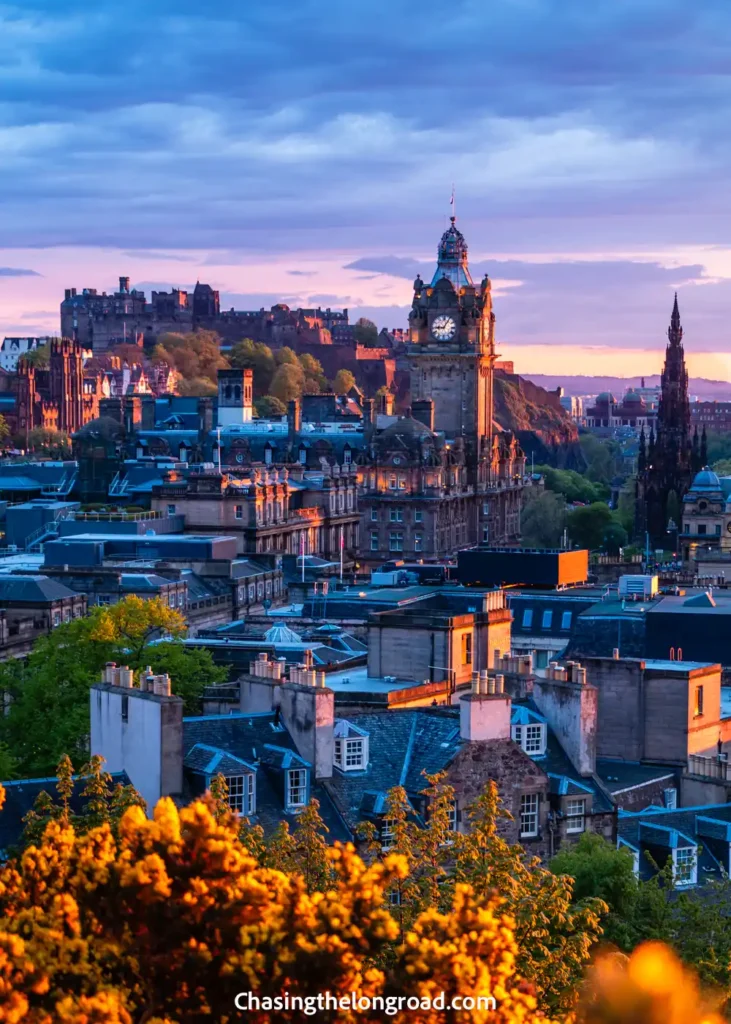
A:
x: 402, y: 483
x: 529, y: 815
x: 392, y: 483
x: 296, y: 787
x: 374, y: 541
x: 566, y: 620
x: 239, y: 511
x: 527, y: 618
x: 242, y: 793
x: 547, y: 618
x: 685, y: 868
x: 418, y: 516
x: 576, y: 815
x: 374, y: 515
x: 699, y: 700
x: 467, y: 649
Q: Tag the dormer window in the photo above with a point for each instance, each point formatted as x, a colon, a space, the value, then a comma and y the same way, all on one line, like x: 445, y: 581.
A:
x: 347, y: 456
x: 531, y: 738
x: 242, y: 793
x: 685, y: 866
x: 267, y: 456
x: 350, y: 747
x: 296, y: 788
x: 388, y: 833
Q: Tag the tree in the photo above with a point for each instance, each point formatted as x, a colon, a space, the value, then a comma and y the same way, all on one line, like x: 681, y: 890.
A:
x: 54, y: 443
x: 4, y: 429
x: 599, y: 869
x: 601, y: 456
x: 48, y: 714
x: 133, y: 623
x: 587, y: 526
x: 344, y: 381
x: 542, y: 519
x: 365, y: 332
x: 288, y: 382
x: 39, y: 357
x: 722, y: 467
x: 198, y: 387
x: 193, y: 355
x: 255, y: 356
x: 268, y: 407
x: 286, y: 356
x: 170, y: 918
x: 572, y: 485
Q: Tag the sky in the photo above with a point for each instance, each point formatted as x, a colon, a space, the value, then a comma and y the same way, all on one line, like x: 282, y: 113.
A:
x: 306, y: 151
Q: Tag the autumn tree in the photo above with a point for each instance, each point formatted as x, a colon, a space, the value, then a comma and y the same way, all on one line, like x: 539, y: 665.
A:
x: 198, y: 387
x: 344, y: 381
x: 196, y: 355
x: 288, y: 382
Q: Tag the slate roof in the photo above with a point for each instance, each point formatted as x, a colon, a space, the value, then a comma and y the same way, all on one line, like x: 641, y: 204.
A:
x: 402, y: 746
x: 257, y: 739
x: 20, y: 798
x: 619, y: 776
x: 17, y: 589
x: 706, y: 826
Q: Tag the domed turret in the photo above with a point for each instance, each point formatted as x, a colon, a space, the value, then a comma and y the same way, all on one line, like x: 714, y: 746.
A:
x: 452, y: 258
x: 706, y: 480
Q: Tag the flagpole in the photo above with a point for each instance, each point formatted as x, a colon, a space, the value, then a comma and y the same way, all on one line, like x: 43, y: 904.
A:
x: 302, y: 554
x: 342, y: 544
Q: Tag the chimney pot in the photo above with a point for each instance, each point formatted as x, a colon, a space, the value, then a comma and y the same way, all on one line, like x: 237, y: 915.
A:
x: 615, y: 653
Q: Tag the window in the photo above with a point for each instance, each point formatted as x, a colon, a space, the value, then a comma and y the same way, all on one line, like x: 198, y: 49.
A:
x: 566, y: 620
x: 533, y: 739
x: 485, y: 534
x: 670, y: 798
x: 374, y: 541
x: 486, y: 508
x: 685, y: 869
x: 396, y: 515
x: 267, y: 456
x: 547, y: 619
x: 252, y: 592
x: 396, y: 542
x: 529, y: 815
x: 351, y: 754
x: 394, y: 898
x: 402, y: 483
x: 467, y: 649
x: 699, y: 700
x: 374, y: 515
x: 417, y: 542
x: 57, y: 618
x: 296, y: 787
x: 701, y: 528
x: 239, y: 511
x: 453, y: 816
x: 171, y: 510
x: 241, y: 793
x: 125, y: 709
x: 392, y: 483
x: 387, y: 833
x: 576, y: 815
x: 347, y: 456
x: 527, y: 618
x: 173, y: 601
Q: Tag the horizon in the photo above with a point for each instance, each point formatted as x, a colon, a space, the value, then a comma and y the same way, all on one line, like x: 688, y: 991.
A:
x: 215, y: 147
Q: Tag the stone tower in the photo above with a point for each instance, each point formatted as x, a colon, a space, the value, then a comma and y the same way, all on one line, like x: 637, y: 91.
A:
x: 667, y: 464
x: 452, y: 349
x: 66, y: 373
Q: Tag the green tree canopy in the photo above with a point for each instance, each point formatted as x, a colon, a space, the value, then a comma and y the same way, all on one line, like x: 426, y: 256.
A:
x: 542, y: 519
x: 38, y: 357
x: 268, y: 406
x: 588, y: 525
x: 255, y: 356
x: 365, y: 332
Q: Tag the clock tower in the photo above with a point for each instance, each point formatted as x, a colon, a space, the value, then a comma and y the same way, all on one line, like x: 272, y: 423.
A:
x: 451, y: 348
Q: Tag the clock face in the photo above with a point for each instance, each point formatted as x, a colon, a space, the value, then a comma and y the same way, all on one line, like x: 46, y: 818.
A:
x: 443, y: 328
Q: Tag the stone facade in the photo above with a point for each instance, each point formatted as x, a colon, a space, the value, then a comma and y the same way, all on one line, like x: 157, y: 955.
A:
x: 441, y: 479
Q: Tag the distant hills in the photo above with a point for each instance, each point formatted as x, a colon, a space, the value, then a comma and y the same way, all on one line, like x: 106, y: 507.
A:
x: 699, y: 387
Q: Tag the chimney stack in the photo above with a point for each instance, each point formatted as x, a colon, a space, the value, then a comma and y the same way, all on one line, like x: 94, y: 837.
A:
x: 484, y: 714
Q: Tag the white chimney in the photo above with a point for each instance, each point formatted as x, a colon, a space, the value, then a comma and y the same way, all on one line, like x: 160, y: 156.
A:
x: 485, y: 716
